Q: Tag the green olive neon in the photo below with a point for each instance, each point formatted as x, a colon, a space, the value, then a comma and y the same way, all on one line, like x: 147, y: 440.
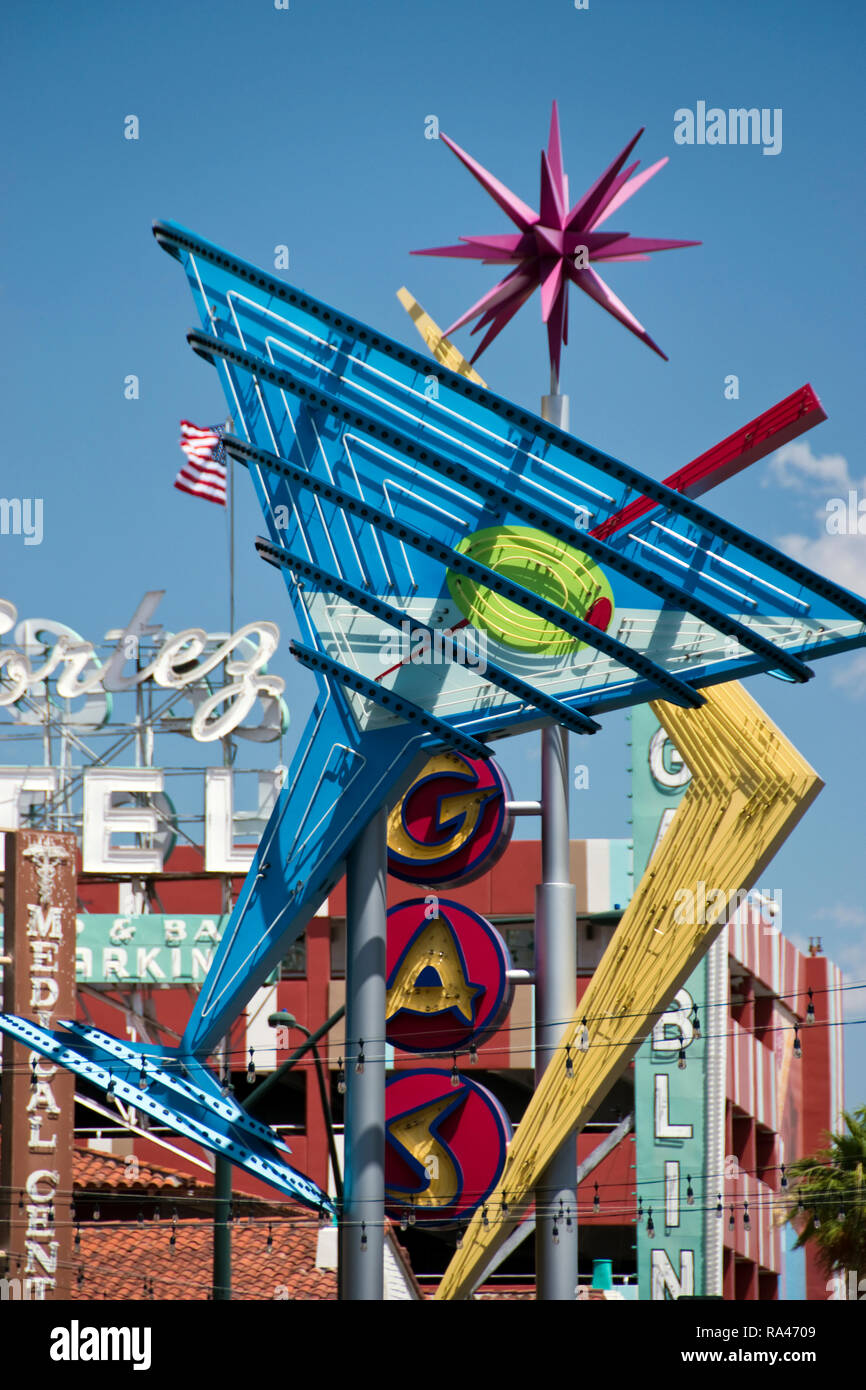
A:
x: 552, y: 569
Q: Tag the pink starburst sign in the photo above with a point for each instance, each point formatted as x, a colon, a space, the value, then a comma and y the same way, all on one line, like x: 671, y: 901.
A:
x: 556, y: 246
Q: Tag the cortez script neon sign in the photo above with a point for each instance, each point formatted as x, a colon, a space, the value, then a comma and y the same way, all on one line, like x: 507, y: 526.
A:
x: 182, y: 660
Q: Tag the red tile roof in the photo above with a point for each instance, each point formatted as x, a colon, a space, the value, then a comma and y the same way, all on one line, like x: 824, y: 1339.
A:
x: 516, y: 1293
x: 131, y: 1261
x: 105, y: 1172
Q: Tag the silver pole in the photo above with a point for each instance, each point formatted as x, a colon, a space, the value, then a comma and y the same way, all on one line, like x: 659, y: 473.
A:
x: 363, y: 1236
x: 555, y: 989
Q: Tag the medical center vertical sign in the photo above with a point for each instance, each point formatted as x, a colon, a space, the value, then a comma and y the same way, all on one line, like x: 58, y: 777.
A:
x: 38, y: 1099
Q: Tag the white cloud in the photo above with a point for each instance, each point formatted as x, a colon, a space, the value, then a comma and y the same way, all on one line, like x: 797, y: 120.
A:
x: 849, y: 673
x: 795, y: 466
x: 843, y: 914
x: 839, y: 557
x: 842, y: 558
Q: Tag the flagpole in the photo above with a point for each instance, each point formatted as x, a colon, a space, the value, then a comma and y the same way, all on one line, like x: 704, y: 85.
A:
x: 229, y: 426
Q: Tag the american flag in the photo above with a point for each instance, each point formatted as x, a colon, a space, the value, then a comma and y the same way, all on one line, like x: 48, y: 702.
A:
x: 204, y: 473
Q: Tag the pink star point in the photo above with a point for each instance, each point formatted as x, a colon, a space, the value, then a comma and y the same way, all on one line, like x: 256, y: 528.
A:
x: 543, y: 252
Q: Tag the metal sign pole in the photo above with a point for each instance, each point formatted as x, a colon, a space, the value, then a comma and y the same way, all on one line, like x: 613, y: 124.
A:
x: 555, y: 975
x: 221, y: 1290
x: 222, y: 1231
x: 363, y: 1236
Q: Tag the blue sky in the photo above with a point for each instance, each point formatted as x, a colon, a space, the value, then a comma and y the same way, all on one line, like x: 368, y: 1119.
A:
x: 305, y: 127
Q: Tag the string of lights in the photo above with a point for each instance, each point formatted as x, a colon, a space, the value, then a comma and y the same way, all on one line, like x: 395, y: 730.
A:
x: 729, y: 1173
x: 240, y: 1216
x: 659, y: 1014
x: 626, y: 1209
x: 583, y: 1044
x: 730, y: 1001
x: 785, y: 1207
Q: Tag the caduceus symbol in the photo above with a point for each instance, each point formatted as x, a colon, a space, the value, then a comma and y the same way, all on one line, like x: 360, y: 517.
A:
x: 46, y: 857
